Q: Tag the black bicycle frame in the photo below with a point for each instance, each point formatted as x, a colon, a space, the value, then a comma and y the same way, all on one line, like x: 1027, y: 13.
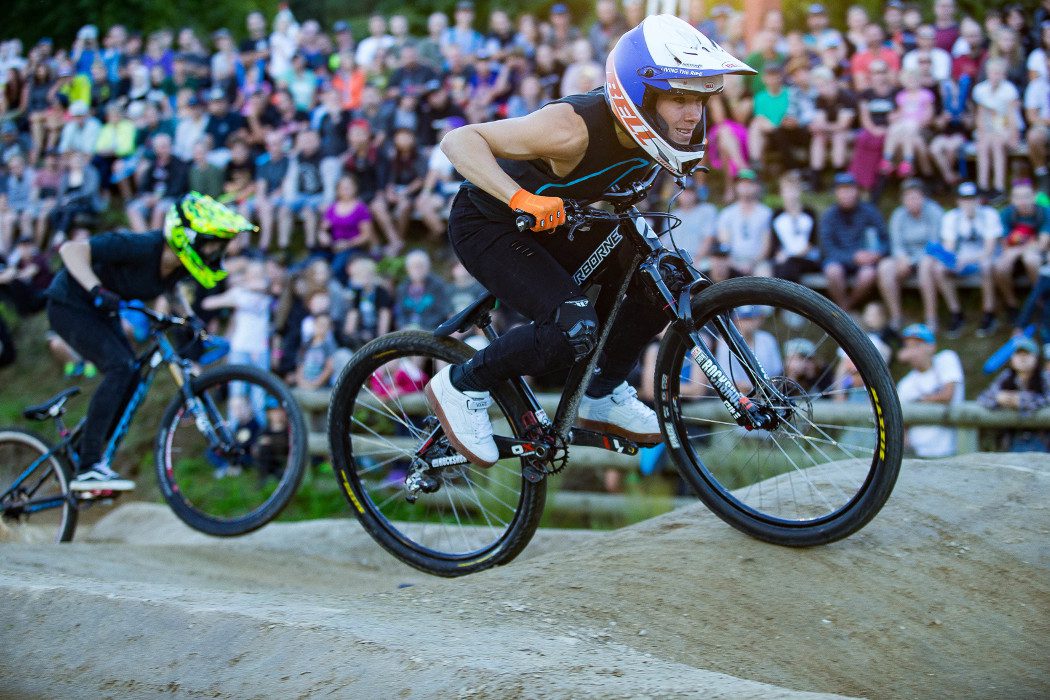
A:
x: 648, y: 258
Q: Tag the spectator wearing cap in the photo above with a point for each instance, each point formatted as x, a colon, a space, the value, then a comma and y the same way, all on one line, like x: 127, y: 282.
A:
x: 802, y: 366
x: 303, y: 194
x: 744, y: 235
x: 81, y: 131
x: 914, y: 225
x: 436, y: 108
x: 795, y: 228
x: 749, y: 320
x: 998, y: 130
x: 771, y: 106
x: 344, y: 43
x: 819, y: 31
x: 852, y: 241
x: 906, y: 133
x: 1037, y: 116
x: 561, y: 32
x: 462, y: 33
x: 440, y: 186
x: 159, y: 179
x: 1024, y: 388
x: 832, y: 124
x: 190, y: 126
x: 225, y: 65
x: 967, y: 243
x: 411, y: 76
x: 1026, y: 229
x: 877, y: 54
x: 271, y: 168
x: 362, y: 159
x: 222, y: 125
x: 935, y: 377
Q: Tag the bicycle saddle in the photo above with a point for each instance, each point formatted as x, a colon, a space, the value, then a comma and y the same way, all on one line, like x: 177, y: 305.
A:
x: 55, y: 406
x: 468, y: 317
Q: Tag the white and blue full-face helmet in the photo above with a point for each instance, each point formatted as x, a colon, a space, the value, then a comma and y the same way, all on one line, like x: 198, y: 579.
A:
x: 665, y: 55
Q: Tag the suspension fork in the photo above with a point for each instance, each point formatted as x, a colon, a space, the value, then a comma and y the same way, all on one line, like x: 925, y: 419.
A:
x: 740, y: 407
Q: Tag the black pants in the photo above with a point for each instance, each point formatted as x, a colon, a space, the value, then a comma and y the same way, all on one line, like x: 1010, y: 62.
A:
x: 532, y: 273
x: 100, y: 340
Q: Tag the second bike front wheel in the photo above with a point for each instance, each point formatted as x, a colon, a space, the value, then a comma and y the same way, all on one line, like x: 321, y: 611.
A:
x: 241, y: 476
x: 830, y: 456
x: 466, y: 518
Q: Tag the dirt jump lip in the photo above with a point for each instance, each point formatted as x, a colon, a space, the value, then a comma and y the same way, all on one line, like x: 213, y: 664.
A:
x: 945, y: 594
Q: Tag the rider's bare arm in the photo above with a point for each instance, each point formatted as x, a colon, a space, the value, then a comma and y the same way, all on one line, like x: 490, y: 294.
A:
x: 555, y: 133
x: 76, y: 256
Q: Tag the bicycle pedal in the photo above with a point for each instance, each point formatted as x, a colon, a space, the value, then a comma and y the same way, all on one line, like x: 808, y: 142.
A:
x: 605, y: 441
x: 533, y: 474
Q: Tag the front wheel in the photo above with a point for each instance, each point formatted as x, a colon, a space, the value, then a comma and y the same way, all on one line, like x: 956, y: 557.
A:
x: 229, y: 460
x: 829, y: 455
x: 35, y: 502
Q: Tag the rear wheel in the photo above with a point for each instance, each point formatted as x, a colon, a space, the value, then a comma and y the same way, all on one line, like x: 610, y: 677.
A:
x: 39, y: 508
x: 234, y: 463
x: 830, y: 456
x: 439, y: 513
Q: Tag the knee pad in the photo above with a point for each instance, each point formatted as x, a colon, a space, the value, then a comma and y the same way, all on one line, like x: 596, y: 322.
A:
x: 577, y: 322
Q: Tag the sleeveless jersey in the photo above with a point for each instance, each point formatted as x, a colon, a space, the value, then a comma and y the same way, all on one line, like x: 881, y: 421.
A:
x: 605, y: 163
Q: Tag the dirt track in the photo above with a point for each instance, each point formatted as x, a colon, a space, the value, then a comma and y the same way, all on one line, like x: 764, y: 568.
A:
x: 946, y: 594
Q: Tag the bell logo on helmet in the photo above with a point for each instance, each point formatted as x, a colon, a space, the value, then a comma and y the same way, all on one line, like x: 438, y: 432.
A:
x: 625, y: 112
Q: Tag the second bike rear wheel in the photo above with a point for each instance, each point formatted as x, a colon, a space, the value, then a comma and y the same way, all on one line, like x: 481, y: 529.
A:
x: 232, y: 492
x: 41, y: 509
x: 474, y: 518
x: 829, y: 460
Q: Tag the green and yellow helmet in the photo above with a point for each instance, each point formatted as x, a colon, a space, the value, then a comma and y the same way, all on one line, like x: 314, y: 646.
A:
x: 192, y: 227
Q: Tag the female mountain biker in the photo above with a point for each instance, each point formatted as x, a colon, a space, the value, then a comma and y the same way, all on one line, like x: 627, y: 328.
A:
x: 659, y: 76
x: 85, y: 296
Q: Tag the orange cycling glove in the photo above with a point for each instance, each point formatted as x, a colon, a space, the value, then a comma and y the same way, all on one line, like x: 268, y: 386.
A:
x: 549, y: 212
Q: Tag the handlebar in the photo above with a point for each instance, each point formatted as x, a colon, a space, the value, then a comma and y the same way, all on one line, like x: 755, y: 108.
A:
x: 577, y: 213
x: 158, y: 319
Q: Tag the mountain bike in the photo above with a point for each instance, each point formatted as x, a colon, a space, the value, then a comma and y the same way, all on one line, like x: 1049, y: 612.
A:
x: 229, y: 454
x: 797, y: 453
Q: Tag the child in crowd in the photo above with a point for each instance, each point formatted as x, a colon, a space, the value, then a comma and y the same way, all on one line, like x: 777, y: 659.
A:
x: 315, y: 366
x: 1024, y: 388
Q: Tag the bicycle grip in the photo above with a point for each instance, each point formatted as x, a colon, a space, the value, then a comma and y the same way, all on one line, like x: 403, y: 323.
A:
x: 524, y: 221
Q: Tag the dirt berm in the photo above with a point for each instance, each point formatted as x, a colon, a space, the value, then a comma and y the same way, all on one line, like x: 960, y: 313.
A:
x: 945, y: 595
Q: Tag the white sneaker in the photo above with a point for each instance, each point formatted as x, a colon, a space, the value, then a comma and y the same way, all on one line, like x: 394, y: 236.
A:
x: 621, y: 413
x: 100, y: 478
x: 465, y: 417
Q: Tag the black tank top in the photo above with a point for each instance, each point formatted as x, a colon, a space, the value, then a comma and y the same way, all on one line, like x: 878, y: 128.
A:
x: 605, y: 163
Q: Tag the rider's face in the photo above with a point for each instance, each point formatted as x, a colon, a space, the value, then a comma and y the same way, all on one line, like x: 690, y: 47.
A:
x: 681, y: 113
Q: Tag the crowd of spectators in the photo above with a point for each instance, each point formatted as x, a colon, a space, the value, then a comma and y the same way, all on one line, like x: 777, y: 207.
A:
x: 326, y: 140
